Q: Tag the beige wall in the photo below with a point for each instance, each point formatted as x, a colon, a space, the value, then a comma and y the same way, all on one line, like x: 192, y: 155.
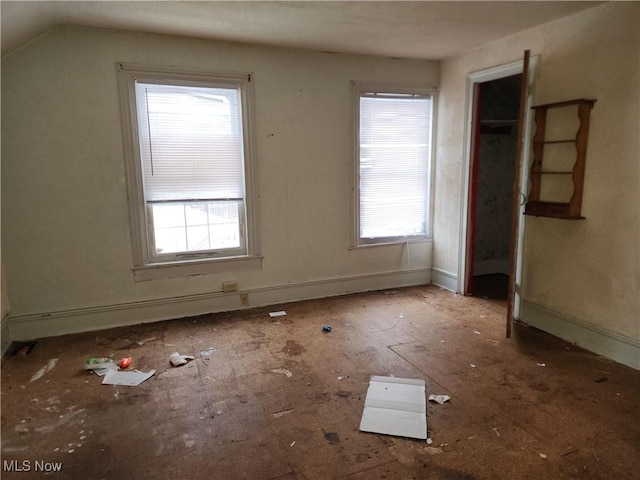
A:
x: 590, y: 269
x: 4, y: 295
x: 5, y: 339
x: 65, y: 235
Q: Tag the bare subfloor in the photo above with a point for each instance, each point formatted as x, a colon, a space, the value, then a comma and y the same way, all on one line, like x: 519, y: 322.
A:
x: 280, y: 398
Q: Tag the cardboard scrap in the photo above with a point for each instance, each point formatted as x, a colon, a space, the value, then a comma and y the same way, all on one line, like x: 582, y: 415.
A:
x: 395, y: 406
x: 127, y: 379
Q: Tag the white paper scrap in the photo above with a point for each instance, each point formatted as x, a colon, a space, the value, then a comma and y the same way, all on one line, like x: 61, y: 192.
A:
x: 281, y: 313
x: 50, y: 364
x: 101, y: 372
x: 127, y: 379
x: 176, y: 359
x: 395, y: 406
x: 439, y: 398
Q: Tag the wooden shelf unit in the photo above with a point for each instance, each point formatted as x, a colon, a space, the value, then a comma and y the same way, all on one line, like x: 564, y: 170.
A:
x: 570, y: 210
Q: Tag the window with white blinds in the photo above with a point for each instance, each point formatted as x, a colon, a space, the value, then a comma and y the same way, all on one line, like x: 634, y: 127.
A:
x: 393, y: 166
x: 190, y: 148
x: 193, y: 169
x: 190, y: 142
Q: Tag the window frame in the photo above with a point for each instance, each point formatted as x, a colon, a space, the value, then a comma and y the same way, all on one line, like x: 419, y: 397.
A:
x: 358, y: 90
x: 146, y: 265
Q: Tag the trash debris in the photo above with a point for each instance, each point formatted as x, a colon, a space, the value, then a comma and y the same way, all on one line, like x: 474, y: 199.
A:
x: 292, y: 443
x: 326, y: 328
x: 280, y: 313
x: 282, y: 413
x: 495, y: 430
x: 50, y: 364
x: 395, y: 406
x: 127, y: 379
x: 125, y: 362
x: 541, y: 364
x: 207, y: 353
x: 176, y: 359
x: 22, y: 348
x: 98, y: 363
x: 476, y: 332
x: 340, y: 378
x: 283, y: 371
x: 472, y: 365
x: 542, y: 455
x: 439, y: 398
x: 101, y: 372
x: 101, y: 365
x: 429, y: 441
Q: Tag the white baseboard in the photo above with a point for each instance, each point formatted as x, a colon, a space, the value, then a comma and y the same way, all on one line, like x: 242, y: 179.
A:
x: 28, y: 327
x: 444, y: 279
x: 5, y: 337
x: 621, y: 348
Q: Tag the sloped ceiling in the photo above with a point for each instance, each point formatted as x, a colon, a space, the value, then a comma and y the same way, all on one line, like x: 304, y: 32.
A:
x: 422, y: 29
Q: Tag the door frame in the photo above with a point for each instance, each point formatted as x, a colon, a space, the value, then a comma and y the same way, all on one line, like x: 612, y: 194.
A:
x: 473, y: 79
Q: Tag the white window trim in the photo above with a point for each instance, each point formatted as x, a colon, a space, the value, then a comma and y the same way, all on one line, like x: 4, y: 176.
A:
x: 143, y: 267
x: 359, y: 88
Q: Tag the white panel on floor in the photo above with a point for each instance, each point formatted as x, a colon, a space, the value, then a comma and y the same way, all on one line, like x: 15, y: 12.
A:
x: 395, y: 406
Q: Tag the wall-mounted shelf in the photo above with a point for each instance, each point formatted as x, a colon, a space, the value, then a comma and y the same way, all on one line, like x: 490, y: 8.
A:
x: 557, y: 191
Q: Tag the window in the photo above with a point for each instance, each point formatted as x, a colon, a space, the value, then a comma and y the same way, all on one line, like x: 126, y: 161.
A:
x: 189, y: 166
x: 393, y: 165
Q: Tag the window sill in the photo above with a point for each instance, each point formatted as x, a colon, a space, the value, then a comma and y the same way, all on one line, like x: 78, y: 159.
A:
x: 195, y: 267
x: 390, y: 243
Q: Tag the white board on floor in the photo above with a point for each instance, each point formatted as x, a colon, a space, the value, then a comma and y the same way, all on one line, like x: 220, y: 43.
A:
x: 395, y: 406
x: 127, y: 379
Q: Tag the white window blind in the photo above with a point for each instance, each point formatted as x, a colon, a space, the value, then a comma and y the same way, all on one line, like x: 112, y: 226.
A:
x: 190, y: 182
x: 190, y: 142
x: 394, y: 163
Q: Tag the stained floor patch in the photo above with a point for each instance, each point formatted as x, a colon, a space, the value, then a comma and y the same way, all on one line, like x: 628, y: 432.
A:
x: 332, y: 437
x: 293, y: 348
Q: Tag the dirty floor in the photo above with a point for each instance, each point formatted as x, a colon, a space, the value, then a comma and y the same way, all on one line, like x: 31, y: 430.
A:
x: 278, y: 398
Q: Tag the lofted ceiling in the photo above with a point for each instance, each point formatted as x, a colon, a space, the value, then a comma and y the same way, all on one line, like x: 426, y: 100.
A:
x: 421, y: 29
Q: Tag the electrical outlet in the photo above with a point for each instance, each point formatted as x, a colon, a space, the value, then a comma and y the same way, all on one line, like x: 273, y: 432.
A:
x: 244, y: 299
x: 230, y: 286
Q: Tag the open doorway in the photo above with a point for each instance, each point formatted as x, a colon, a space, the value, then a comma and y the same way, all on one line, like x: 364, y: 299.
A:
x: 490, y: 205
